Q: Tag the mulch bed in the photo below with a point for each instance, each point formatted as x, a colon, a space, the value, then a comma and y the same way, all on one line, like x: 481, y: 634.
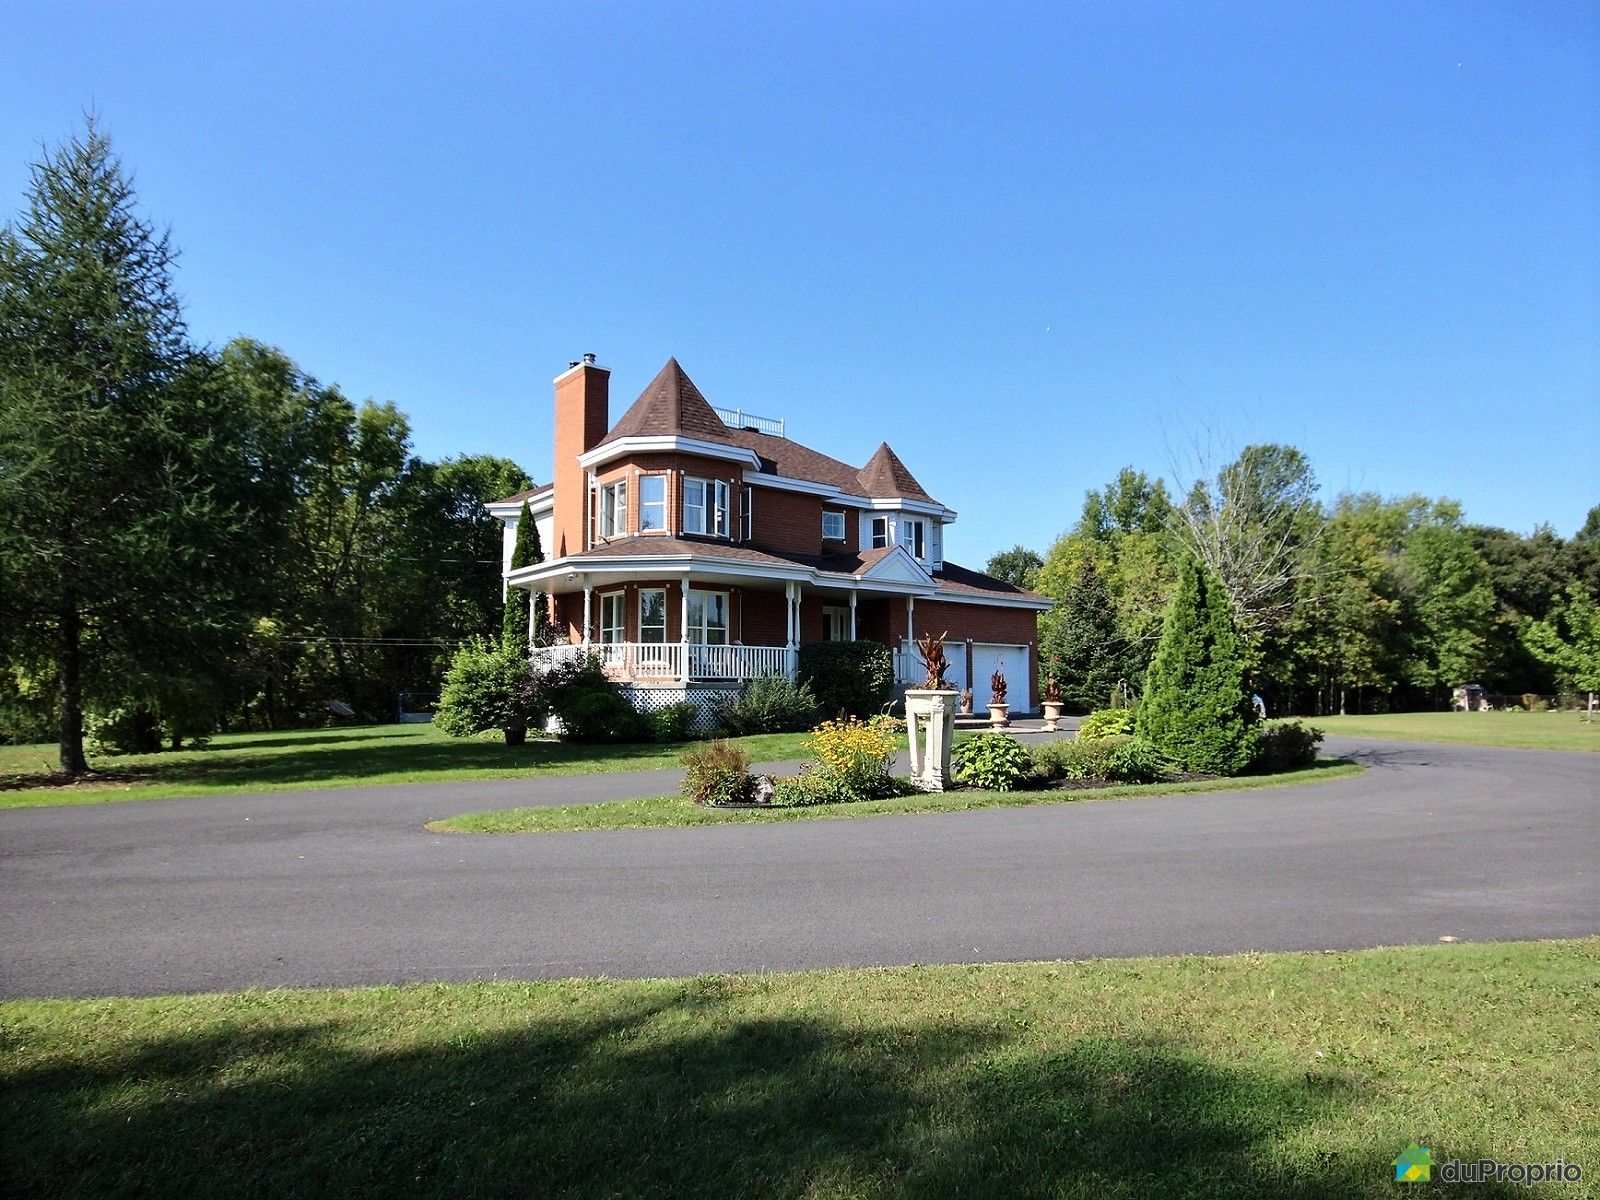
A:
x: 57, y: 779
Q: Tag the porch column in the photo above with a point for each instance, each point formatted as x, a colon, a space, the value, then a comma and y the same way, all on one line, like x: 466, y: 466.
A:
x: 534, y: 600
x: 791, y: 610
x: 683, y: 585
x: 852, y: 616
x: 588, y: 608
x: 911, y: 618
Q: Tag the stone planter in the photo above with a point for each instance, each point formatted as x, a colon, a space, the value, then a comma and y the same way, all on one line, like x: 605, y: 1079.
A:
x: 999, y: 715
x: 930, y: 725
x: 1052, y: 715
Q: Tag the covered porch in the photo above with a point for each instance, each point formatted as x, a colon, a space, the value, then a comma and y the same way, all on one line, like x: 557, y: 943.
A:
x: 703, y: 627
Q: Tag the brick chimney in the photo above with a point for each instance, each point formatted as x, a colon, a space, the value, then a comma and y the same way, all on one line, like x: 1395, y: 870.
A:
x: 582, y: 419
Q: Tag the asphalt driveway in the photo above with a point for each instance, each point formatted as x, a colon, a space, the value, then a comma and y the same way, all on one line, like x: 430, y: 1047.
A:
x: 345, y: 886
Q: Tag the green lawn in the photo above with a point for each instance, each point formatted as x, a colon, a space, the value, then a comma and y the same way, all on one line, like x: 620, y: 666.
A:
x: 1248, y: 1076
x: 675, y: 810
x: 342, y: 757
x: 1523, y: 731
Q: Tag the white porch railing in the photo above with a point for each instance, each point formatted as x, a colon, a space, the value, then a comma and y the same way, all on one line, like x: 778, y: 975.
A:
x: 648, y: 662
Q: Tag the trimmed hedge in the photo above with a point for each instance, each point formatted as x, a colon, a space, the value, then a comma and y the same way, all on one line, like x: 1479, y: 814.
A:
x: 856, y: 678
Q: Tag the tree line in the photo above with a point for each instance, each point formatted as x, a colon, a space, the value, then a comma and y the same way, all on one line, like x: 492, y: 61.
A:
x: 195, y: 539
x: 1364, y: 603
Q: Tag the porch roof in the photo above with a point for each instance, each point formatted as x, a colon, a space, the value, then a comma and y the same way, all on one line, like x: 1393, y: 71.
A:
x: 673, y: 555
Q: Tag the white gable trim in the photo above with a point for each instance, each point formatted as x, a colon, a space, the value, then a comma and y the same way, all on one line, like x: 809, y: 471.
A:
x: 537, y: 506
x: 898, y: 567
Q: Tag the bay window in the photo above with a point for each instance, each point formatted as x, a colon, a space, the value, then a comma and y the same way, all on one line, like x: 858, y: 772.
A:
x: 652, y: 615
x: 913, y: 537
x: 652, y: 503
x: 705, y: 507
x: 614, y: 509
x: 880, y: 532
x: 708, y: 618
x: 613, y: 617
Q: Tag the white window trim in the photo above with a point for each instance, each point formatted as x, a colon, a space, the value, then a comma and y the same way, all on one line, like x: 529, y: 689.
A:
x: 888, y: 533
x: 662, y: 503
x: 836, y: 519
x: 747, y: 506
x: 697, y: 634
x: 910, y: 533
x: 621, y: 630
x: 662, y: 592
x: 836, y: 612
x: 616, y: 492
x: 713, y: 508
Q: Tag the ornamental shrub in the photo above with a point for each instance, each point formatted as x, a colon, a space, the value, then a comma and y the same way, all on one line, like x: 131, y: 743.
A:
x: 1115, y: 758
x: 1107, y: 722
x: 770, y: 705
x: 856, y: 757
x: 674, y: 723
x: 1196, y: 709
x: 717, y: 774
x: 489, y: 687
x: 807, y: 788
x: 592, y: 708
x: 855, y: 678
x: 1288, y: 747
x: 995, y: 761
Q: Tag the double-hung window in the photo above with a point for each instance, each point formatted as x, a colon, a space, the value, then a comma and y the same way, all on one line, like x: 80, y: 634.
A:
x: 880, y: 532
x: 705, y: 507
x: 652, y: 503
x: 913, y: 535
x: 832, y: 526
x: 708, y: 618
x: 652, y: 615
x: 613, y: 617
x: 614, y: 509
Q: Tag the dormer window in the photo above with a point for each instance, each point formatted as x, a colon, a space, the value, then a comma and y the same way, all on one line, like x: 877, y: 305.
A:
x: 614, y: 509
x: 913, y: 536
x: 832, y: 526
x: 880, y: 533
x: 705, y: 507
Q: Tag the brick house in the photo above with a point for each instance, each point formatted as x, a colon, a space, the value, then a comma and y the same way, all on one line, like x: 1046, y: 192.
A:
x: 694, y: 548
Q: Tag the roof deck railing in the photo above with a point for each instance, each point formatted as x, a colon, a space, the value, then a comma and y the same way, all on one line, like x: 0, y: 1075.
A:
x: 737, y: 418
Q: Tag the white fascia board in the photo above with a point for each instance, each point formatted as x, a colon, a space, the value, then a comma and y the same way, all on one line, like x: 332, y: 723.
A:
x: 920, y: 507
x: 996, y: 601
x: 668, y: 443
x: 849, y: 499
x: 667, y: 564
x: 537, y: 507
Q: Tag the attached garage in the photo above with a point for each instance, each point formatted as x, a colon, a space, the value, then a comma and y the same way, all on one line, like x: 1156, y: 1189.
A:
x: 989, y: 657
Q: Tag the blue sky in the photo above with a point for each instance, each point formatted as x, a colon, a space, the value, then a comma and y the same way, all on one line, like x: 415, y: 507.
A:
x: 1025, y: 244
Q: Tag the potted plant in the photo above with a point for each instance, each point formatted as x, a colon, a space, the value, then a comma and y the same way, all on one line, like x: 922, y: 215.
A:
x: 999, y: 710
x: 930, y: 718
x: 1052, y: 703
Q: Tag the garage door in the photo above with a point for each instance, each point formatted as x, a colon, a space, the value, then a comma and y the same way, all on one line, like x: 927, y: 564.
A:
x: 988, y: 657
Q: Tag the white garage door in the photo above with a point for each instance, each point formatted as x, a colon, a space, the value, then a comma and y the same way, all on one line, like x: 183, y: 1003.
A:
x: 988, y: 657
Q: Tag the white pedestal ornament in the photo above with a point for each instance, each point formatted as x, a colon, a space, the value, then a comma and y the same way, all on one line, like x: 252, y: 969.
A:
x: 930, y: 723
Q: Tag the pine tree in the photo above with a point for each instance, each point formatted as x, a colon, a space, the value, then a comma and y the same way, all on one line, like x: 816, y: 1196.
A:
x: 1083, y: 644
x: 1196, y: 709
x: 125, y: 510
x: 526, y: 551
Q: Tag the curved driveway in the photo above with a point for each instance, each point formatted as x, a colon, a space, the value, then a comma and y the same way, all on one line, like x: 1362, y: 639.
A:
x: 323, y: 888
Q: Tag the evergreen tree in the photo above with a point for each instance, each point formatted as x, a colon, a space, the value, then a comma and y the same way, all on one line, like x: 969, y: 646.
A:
x: 125, y: 504
x: 526, y: 551
x: 1083, y: 645
x: 1196, y: 709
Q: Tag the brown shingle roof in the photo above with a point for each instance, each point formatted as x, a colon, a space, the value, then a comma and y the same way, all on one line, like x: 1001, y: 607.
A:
x: 519, y: 497
x: 671, y: 405
x: 952, y: 578
x: 885, y: 475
